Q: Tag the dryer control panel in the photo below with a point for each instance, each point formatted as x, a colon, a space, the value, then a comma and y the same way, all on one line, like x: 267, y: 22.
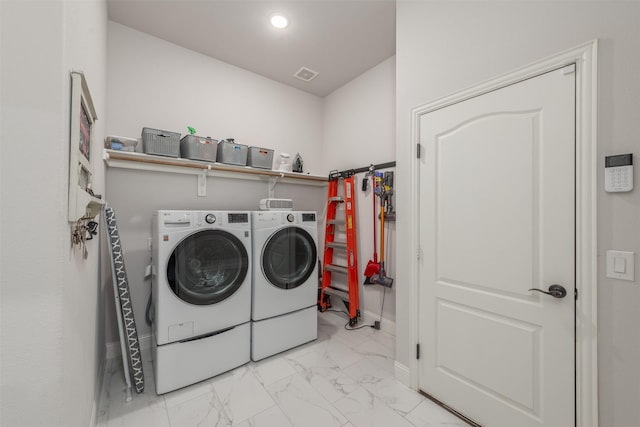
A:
x: 176, y: 218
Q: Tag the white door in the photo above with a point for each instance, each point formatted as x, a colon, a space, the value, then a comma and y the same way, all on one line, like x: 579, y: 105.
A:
x: 497, y: 218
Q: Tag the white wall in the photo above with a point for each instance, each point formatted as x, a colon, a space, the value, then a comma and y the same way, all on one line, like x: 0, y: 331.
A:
x: 158, y: 84
x: 51, y: 333
x: 443, y: 47
x: 359, y: 130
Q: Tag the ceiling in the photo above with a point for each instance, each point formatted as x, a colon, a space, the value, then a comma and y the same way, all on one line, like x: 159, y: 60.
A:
x: 338, y: 39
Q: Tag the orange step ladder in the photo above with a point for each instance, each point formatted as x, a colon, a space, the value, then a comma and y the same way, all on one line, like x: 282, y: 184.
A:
x: 341, y: 220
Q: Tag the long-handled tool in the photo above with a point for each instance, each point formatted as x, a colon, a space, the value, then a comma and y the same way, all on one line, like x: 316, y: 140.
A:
x: 381, y: 278
x: 373, y: 266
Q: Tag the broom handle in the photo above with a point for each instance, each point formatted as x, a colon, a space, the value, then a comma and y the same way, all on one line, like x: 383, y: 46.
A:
x: 381, y: 230
x: 375, y: 238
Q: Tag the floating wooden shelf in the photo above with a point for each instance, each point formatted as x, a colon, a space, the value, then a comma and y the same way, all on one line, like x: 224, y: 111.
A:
x: 140, y: 161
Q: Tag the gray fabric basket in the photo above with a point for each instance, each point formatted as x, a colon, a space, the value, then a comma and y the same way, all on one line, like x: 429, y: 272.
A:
x: 160, y: 142
x: 231, y: 153
x: 261, y: 158
x: 198, y: 148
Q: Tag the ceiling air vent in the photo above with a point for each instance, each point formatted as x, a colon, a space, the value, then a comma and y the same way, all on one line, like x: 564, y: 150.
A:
x: 305, y: 74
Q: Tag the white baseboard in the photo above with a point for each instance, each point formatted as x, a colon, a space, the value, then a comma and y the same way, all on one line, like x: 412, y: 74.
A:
x: 112, y: 349
x: 402, y: 374
x: 99, y: 393
x: 93, y: 421
x: 386, y: 325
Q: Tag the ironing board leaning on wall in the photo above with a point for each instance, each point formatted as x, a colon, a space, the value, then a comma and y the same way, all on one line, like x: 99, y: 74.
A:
x: 129, y: 344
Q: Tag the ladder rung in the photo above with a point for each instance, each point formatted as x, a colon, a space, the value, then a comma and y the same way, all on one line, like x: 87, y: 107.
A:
x: 337, y: 268
x: 336, y: 199
x: 337, y: 221
x: 344, y: 295
x: 337, y: 245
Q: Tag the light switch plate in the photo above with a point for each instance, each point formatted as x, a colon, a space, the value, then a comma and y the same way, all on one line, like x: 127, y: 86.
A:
x: 620, y: 265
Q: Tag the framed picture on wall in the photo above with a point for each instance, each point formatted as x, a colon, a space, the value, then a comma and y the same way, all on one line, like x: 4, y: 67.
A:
x: 85, y: 132
x: 82, y: 202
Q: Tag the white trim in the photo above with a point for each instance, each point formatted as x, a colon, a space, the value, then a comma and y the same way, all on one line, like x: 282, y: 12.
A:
x: 586, y: 237
x: 97, y: 394
x: 386, y: 325
x: 585, y: 57
x: 402, y: 373
x: 112, y: 349
x: 414, y: 242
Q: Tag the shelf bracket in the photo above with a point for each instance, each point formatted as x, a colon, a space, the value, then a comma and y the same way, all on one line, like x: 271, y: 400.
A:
x: 271, y: 190
x: 202, y: 183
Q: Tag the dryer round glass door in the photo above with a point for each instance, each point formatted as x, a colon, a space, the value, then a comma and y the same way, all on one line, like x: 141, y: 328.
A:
x: 207, y: 267
x: 289, y: 257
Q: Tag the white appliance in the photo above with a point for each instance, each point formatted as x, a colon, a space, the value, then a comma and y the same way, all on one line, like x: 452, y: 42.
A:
x: 285, y: 281
x: 201, y: 295
x: 276, y: 205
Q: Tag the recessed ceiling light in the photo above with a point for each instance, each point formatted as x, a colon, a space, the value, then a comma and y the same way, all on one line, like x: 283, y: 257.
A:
x: 279, y: 21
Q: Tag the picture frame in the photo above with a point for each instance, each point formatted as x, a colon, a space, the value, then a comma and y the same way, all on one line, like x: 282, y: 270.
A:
x: 82, y: 202
x: 85, y: 132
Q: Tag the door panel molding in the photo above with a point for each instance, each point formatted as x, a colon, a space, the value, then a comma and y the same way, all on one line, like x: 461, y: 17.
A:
x: 584, y: 57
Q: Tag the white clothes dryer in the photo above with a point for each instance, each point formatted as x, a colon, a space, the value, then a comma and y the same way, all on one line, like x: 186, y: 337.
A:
x: 285, y: 281
x: 201, y: 295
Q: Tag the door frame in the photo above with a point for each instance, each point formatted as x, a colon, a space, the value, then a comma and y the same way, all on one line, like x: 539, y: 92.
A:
x: 585, y: 58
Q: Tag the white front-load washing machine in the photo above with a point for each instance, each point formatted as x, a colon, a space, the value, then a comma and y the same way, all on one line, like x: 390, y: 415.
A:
x: 201, y: 295
x: 285, y: 281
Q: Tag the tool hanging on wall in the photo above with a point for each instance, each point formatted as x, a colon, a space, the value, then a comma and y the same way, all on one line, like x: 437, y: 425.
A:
x: 386, y: 193
x: 373, y: 266
x: 383, y: 191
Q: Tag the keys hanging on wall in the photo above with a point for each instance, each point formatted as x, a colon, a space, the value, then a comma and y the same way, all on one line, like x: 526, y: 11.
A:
x: 81, y: 231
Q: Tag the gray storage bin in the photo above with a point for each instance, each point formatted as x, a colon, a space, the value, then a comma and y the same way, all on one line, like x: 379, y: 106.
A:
x: 260, y: 158
x: 160, y: 142
x: 231, y: 153
x: 198, y: 148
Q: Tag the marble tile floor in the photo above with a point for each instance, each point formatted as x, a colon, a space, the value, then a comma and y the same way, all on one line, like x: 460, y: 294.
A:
x: 344, y: 378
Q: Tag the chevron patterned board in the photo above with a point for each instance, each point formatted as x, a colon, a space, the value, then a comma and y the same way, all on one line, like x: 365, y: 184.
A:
x: 127, y: 324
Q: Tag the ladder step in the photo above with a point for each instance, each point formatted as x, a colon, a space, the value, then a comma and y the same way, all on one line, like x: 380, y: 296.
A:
x: 337, y: 268
x: 344, y: 295
x: 338, y: 199
x: 337, y: 221
x: 337, y: 245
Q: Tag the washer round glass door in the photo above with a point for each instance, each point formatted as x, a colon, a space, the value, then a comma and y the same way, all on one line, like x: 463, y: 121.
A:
x: 289, y: 257
x: 207, y: 267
